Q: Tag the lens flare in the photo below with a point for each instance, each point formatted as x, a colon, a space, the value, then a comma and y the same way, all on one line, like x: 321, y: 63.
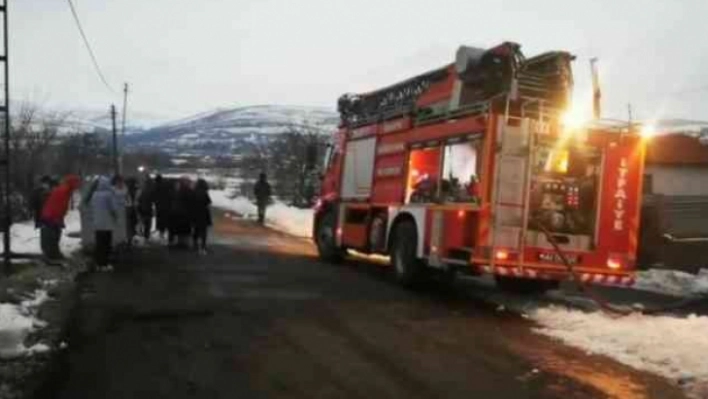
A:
x: 647, y: 131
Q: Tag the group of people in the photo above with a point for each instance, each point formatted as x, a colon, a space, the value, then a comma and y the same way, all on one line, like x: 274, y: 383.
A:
x: 180, y: 207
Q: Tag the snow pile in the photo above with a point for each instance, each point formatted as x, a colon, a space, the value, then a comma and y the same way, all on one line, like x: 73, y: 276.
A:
x: 673, y: 282
x: 279, y: 216
x: 16, y: 322
x: 669, y: 346
x: 25, y: 238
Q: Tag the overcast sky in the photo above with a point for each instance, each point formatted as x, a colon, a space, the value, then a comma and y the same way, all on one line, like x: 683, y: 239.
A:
x: 186, y: 56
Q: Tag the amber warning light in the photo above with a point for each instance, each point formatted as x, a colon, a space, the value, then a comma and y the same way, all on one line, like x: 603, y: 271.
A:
x: 614, y: 263
x: 501, y: 254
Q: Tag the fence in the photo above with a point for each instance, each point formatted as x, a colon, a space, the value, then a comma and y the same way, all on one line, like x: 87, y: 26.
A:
x: 674, y: 232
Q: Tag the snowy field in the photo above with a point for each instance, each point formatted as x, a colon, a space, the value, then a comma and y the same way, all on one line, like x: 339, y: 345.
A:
x: 673, y: 347
x: 229, y: 182
x: 288, y: 219
x: 25, y: 238
x: 17, y: 321
x: 672, y: 282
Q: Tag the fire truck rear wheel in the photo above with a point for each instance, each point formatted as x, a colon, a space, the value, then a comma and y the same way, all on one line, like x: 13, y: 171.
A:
x: 325, y: 238
x: 408, y: 269
x: 524, y: 286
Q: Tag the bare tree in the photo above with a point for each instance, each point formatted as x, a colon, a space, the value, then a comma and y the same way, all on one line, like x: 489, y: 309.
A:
x: 290, y: 160
x: 33, y: 133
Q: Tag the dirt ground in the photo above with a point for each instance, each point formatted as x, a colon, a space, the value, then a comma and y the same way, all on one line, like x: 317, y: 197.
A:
x: 260, y: 316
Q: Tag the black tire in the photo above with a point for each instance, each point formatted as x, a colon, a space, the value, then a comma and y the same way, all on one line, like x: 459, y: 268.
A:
x: 523, y: 286
x: 325, y: 238
x: 408, y: 269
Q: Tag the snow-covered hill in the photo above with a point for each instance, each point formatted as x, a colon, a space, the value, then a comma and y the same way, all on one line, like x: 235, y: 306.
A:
x: 227, y: 130
x: 90, y: 119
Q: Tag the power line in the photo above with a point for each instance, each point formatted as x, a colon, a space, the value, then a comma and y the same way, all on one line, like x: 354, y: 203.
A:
x: 88, y: 47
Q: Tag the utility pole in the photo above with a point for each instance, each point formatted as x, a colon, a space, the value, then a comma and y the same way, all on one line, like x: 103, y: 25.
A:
x: 122, y: 130
x: 115, y: 141
x: 5, y: 161
x: 596, y: 93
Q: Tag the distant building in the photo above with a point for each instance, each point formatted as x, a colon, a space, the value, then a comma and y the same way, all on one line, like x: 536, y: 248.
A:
x: 676, y: 165
x: 674, y: 232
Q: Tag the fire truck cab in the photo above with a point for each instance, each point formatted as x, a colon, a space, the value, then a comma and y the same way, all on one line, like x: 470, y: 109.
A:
x: 472, y: 167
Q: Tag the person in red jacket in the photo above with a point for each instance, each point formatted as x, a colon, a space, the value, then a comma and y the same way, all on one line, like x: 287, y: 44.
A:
x: 53, y: 212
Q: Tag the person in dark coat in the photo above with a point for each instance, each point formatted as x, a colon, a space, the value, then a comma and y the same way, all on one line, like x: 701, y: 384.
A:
x: 201, y: 215
x: 131, y: 208
x: 145, y: 202
x: 163, y: 203
x: 262, y: 192
x: 39, y: 197
x: 180, y: 225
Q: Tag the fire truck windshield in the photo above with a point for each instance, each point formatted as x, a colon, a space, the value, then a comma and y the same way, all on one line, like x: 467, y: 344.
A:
x: 564, y: 188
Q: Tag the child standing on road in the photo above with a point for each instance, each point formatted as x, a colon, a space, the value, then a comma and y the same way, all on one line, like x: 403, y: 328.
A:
x: 201, y: 215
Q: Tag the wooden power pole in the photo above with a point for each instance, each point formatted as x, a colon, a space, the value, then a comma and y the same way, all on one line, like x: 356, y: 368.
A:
x: 5, y: 161
x: 122, y: 129
x: 115, y: 141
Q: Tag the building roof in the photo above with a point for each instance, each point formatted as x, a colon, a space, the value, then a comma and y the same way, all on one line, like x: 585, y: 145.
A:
x: 676, y: 149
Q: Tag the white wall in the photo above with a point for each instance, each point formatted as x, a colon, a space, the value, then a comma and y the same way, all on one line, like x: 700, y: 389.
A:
x: 679, y: 180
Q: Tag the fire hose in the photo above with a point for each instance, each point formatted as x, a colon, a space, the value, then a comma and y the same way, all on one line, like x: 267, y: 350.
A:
x: 602, y: 303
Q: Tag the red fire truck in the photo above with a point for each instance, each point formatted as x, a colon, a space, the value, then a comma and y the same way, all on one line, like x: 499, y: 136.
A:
x: 472, y: 167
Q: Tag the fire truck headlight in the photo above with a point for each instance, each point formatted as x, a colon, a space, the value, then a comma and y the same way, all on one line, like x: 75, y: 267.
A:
x: 647, y: 132
x: 614, y: 262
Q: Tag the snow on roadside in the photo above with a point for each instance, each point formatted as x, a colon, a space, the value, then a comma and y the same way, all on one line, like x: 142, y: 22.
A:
x: 25, y: 238
x: 279, y: 216
x: 672, y: 282
x: 16, y: 322
x: 672, y: 347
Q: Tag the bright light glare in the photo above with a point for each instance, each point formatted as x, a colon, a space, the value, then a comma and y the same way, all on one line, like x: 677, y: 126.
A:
x: 141, y: 169
x: 573, y: 119
x: 648, y: 131
x: 614, y: 264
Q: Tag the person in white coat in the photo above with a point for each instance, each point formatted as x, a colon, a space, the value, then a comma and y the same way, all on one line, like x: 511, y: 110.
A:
x: 105, y: 217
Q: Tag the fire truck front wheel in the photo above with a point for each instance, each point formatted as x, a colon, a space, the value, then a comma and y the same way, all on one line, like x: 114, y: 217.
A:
x: 325, y: 239
x: 409, y: 270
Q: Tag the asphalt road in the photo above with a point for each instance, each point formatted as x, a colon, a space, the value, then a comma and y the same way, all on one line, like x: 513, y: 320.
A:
x: 260, y: 316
